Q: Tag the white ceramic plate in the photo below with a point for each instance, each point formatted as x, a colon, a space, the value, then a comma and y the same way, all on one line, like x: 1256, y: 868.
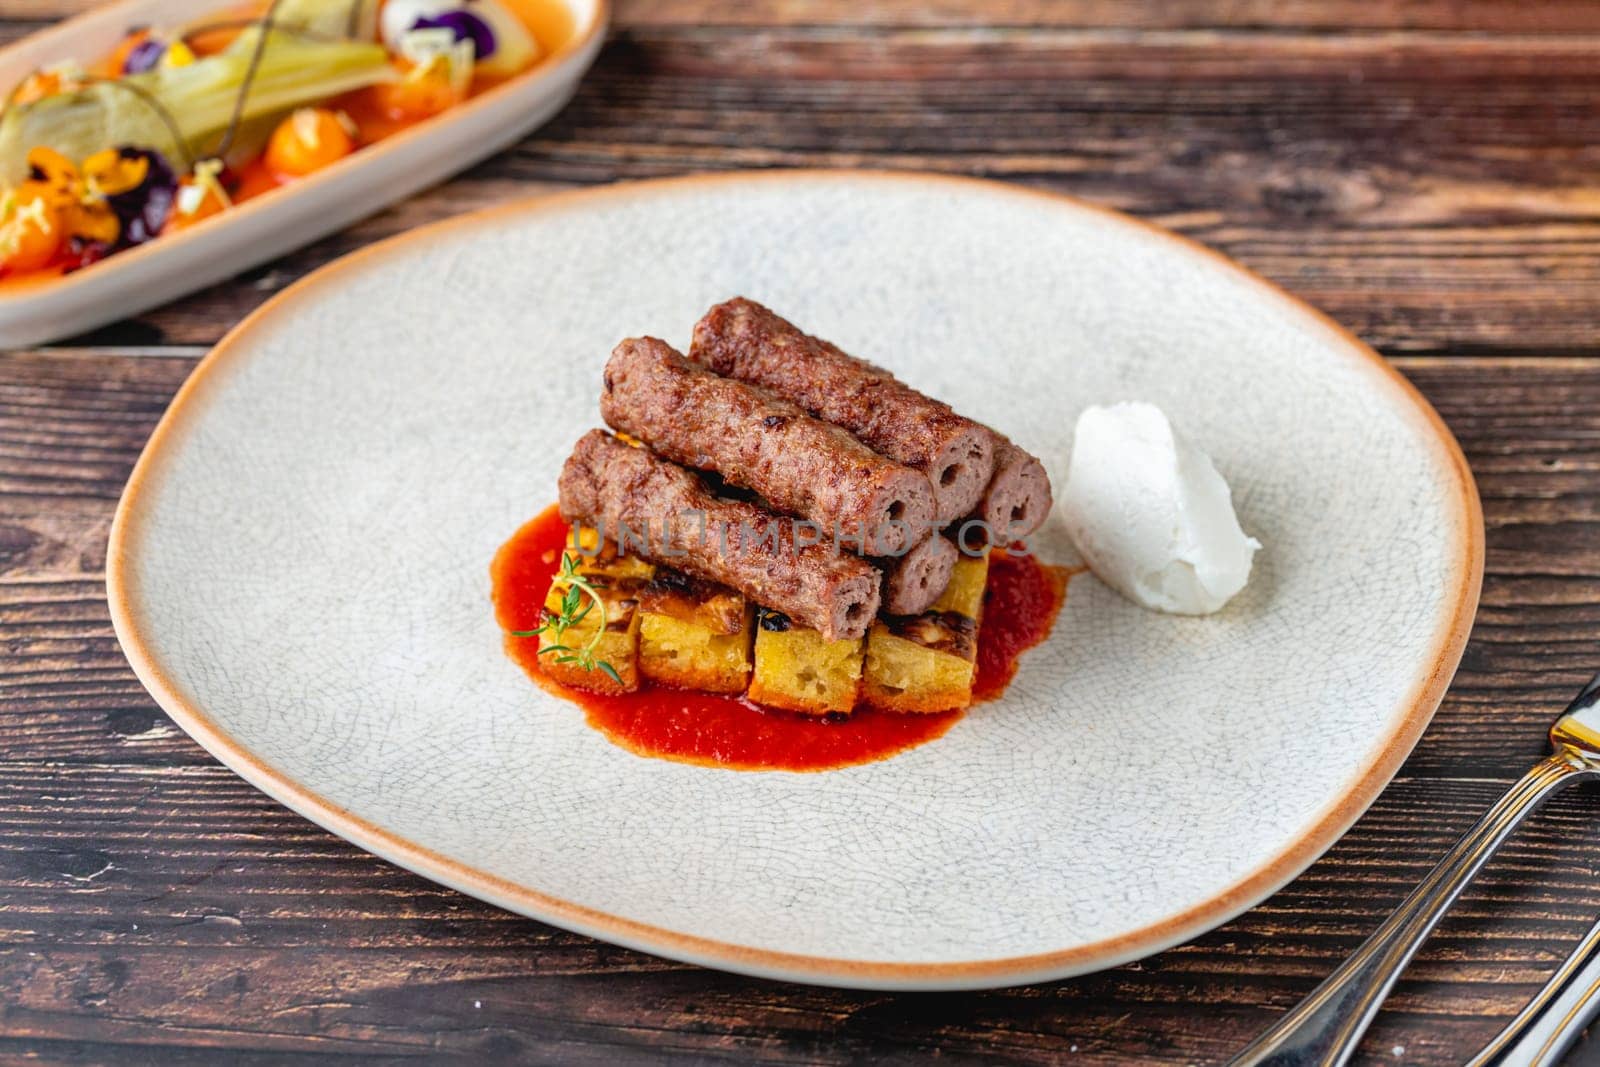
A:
x: 268, y: 226
x: 299, y: 574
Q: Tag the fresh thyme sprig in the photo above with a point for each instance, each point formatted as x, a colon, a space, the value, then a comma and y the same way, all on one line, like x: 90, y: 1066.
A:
x: 577, y: 601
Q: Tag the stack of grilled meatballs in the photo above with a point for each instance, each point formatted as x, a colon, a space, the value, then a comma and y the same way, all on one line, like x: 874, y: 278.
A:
x: 826, y: 490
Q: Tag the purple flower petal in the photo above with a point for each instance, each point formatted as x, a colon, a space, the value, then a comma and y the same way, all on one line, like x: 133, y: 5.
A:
x: 144, y: 56
x: 465, y: 25
x: 143, y: 210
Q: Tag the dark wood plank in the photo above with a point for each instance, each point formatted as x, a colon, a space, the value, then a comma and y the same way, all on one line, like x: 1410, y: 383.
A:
x: 1468, y: 16
x: 204, y: 916
x: 1434, y: 192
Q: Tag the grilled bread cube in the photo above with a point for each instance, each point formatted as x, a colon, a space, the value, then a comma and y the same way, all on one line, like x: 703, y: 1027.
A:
x: 594, y: 557
x: 925, y: 663
x: 920, y: 663
x: 797, y: 669
x: 694, y: 634
x: 618, y: 580
x: 964, y: 594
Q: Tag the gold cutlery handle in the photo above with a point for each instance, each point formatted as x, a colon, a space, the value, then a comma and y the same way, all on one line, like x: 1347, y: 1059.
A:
x: 1324, y: 1028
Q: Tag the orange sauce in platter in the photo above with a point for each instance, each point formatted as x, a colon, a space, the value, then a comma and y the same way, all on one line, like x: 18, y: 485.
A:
x: 1021, y: 603
x: 255, y: 178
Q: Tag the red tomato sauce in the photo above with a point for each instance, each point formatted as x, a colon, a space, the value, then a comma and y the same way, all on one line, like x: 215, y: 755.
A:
x: 1021, y: 603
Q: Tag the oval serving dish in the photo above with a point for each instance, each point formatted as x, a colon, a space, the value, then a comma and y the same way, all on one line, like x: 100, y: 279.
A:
x: 38, y: 310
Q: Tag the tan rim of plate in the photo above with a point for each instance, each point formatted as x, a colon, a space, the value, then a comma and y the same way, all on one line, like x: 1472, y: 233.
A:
x: 1415, y: 710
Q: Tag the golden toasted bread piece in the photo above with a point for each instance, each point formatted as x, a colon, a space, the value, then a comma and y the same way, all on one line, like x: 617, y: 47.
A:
x: 797, y: 669
x: 925, y: 663
x: 964, y: 594
x: 695, y: 634
x: 618, y: 580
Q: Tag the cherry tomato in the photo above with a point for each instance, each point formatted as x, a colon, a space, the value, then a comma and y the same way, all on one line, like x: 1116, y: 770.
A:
x: 307, y: 141
x: 418, y: 95
x: 30, y: 236
x: 205, y: 201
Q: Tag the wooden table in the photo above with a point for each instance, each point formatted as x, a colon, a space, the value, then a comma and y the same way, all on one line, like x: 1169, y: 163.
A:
x: 1427, y: 171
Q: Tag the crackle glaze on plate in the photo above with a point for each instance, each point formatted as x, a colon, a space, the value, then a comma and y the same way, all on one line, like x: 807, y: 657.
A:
x: 299, y: 573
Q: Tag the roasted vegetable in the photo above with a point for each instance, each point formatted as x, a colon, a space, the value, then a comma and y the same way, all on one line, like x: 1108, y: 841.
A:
x: 355, y: 19
x: 181, y: 111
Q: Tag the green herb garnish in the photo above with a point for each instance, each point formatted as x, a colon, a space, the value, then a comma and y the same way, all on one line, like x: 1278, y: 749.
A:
x: 579, y: 599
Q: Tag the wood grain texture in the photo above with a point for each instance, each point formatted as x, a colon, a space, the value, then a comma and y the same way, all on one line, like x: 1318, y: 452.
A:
x: 1433, y: 190
x: 1423, y: 170
x: 1524, y: 16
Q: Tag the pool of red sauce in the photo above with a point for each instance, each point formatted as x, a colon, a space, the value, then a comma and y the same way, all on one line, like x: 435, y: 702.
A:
x: 1021, y: 603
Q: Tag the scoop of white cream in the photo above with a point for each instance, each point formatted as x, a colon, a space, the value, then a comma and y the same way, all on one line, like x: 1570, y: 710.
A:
x: 1151, y: 515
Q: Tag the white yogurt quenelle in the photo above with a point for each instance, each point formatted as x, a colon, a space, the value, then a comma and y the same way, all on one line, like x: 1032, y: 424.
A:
x: 1151, y: 515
